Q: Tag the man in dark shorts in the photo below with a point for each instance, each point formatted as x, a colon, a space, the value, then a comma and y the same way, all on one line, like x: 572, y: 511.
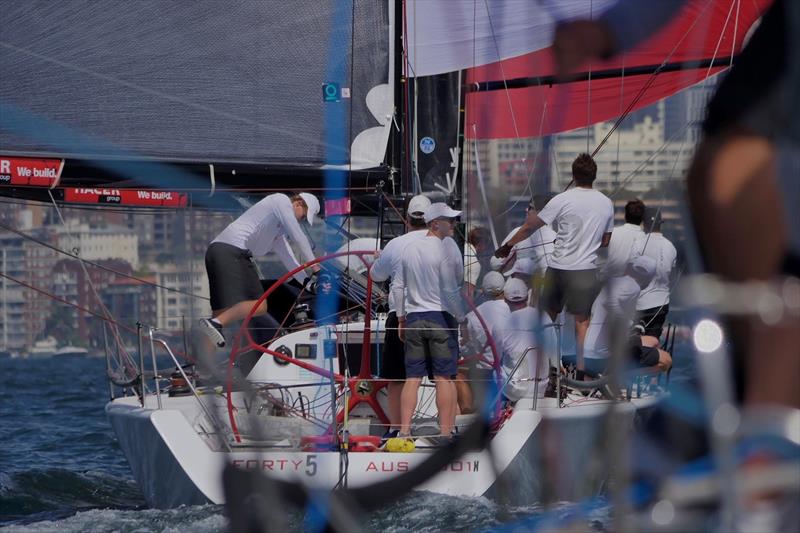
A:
x: 584, y: 218
x: 234, y: 282
x: 652, y: 305
x: 426, y: 289
x: 387, y: 265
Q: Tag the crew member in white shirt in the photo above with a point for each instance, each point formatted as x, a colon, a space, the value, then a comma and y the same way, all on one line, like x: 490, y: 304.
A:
x: 494, y: 312
x: 583, y: 218
x: 426, y: 290
x: 529, y: 258
x: 527, y: 333
x: 653, y: 303
x: 617, y: 301
x: 387, y: 265
x: 233, y: 277
x: 623, y: 239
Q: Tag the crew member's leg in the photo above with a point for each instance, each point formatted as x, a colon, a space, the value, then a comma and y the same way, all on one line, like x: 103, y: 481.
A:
x: 444, y: 355
x: 393, y: 369
x: 464, y: 392
x: 581, y: 290
x: 234, y: 286
x: 416, y: 351
x: 553, y: 293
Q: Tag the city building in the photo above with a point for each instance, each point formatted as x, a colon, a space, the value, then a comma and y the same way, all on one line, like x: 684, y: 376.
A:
x: 99, y: 242
x: 185, y: 298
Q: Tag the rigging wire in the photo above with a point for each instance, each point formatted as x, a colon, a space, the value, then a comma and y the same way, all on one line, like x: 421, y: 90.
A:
x: 97, y: 265
x: 127, y: 358
x: 652, y: 77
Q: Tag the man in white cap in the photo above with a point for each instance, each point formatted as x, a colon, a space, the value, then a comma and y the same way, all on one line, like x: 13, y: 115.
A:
x: 494, y: 312
x: 527, y: 333
x: 233, y: 277
x: 426, y: 289
x: 387, y: 265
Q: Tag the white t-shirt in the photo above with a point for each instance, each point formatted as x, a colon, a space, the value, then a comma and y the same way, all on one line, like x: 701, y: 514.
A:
x: 390, y: 261
x: 621, y: 249
x: 525, y: 328
x: 472, y: 265
x: 429, y: 278
x: 265, y: 227
x: 663, y: 252
x: 618, y: 298
x: 495, y: 314
x: 581, y: 217
x: 533, y: 254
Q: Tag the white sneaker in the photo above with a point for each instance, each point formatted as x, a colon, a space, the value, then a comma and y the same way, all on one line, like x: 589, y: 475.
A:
x: 213, y: 330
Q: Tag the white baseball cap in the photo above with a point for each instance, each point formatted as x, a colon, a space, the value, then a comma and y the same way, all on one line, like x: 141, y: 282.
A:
x: 493, y: 283
x: 418, y: 205
x: 313, y: 206
x: 440, y: 210
x: 515, y: 290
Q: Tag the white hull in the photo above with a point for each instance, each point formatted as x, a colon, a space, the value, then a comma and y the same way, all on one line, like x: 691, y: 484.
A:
x: 174, y: 465
x: 177, y: 459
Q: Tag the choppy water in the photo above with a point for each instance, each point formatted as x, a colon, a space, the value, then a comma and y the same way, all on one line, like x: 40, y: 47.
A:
x: 62, y: 470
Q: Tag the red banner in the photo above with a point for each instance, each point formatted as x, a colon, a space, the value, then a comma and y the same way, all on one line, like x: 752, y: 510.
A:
x: 31, y: 172
x: 145, y: 198
x: 339, y: 206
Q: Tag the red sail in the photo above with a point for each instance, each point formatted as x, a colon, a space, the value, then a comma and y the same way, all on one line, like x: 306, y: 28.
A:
x: 704, y: 30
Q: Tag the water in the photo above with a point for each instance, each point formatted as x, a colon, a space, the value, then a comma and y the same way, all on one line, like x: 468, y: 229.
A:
x: 62, y: 470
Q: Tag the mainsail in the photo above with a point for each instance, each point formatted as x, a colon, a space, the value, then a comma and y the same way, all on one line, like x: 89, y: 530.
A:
x: 223, y: 82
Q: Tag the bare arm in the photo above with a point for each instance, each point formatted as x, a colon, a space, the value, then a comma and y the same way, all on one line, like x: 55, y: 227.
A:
x: 532, y: 223
x: 606, y: 240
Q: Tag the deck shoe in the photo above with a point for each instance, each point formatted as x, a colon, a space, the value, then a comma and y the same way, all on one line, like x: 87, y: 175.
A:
x: 213, y: 330
x: 392, y: 433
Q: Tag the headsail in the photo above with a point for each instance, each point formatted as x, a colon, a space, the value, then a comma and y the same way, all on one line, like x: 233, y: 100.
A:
x: 506, y: 45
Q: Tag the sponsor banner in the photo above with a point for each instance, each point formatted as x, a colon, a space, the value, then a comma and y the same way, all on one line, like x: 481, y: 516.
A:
x: 30, y: 172
x: 146, y: 198
x: 339, y: 206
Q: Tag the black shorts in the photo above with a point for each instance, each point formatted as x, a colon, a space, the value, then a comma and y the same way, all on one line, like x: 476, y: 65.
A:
x: 643, y: 356
x: 393, y: 361
x: 652, y: 320
x: 232, y: 276
x: 575, y: 289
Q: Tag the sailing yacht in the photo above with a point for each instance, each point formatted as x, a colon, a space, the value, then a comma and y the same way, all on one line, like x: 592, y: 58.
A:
x: 134, y: 105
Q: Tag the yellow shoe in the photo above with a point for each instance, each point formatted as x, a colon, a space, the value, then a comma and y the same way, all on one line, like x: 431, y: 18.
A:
x: 400, y: 444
